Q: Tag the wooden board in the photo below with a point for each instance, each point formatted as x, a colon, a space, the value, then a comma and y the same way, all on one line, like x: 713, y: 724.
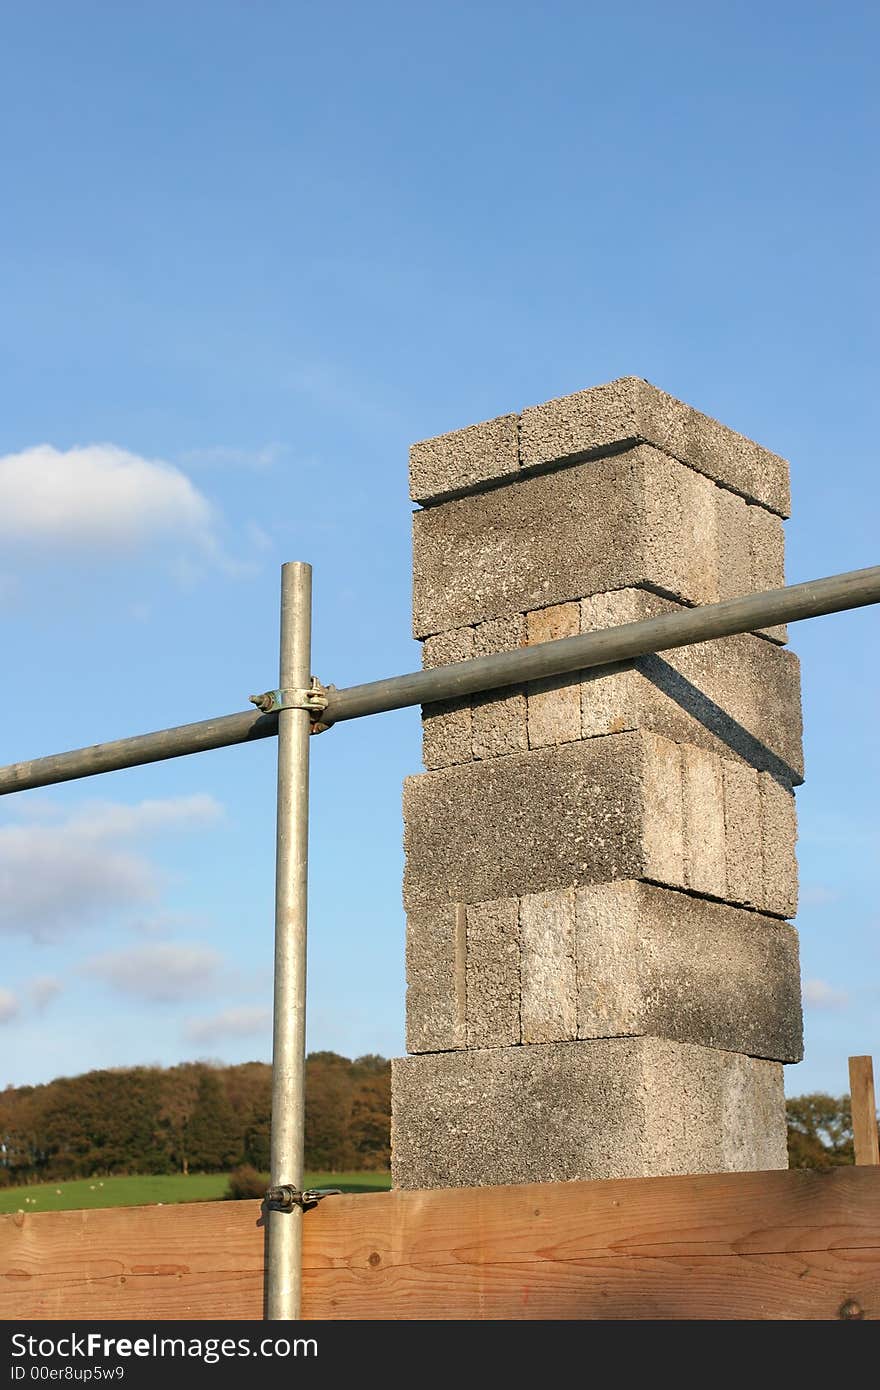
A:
x: 734, y: 1245
x: 864, y: 1110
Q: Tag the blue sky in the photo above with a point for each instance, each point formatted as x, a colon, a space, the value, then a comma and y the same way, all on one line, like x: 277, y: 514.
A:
x: 261, y: 248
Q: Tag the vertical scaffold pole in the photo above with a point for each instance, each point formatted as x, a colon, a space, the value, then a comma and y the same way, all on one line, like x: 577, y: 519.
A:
x: 291, y: 907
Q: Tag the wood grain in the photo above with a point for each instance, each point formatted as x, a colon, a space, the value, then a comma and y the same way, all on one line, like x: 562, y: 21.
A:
x: 864, y: 1111
x: 745, y: 1245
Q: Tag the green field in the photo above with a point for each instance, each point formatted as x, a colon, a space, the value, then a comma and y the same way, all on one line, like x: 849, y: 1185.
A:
x: 149, y: 1191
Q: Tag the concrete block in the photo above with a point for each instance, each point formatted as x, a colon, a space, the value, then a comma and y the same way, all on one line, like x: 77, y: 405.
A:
x: 608, y: 1108
x: 767, y: 553
x: 550, y: 818
x: 744, y: 850
x: 493, y: 985
x: 457, y: 461
x: 607, y: 960
x: 635, y: 519
x: 734, y: 545
x: 554, y: 709
x: 548, y: 971
x: 654, y: 961
x: 499, y: 721
x: 703, y: 833
x: 630, y: 410
x: 436, y: 958
x: 751, y: 546
x: 738, y: 696
x: 595, y: 811
x: 665, y: 853
x: 778, y: 839
x: 447, y: 727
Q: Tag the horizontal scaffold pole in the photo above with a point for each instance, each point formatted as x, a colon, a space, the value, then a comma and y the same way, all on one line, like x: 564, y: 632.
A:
x: 813, y: 599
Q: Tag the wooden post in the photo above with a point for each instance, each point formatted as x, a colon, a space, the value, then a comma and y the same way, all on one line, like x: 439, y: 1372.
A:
x: 864, y: 1111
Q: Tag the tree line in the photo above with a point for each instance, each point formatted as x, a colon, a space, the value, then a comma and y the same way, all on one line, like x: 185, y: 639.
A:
x: 195, y: 1117
x: 198, y: 1117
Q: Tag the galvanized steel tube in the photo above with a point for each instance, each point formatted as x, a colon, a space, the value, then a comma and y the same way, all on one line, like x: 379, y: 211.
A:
x: 284, y: 1283
x: 677, y: 629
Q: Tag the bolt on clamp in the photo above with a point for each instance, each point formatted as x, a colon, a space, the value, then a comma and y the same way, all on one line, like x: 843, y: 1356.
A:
x: 285, y: 1197
x: 314, y: 699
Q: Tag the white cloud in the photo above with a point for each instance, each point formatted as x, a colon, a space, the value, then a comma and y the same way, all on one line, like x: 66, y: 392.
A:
x: 43, y: 989
x: 98, y: 496
x: 162, y: 973
x: 51, y: 881
x: 819, y: 994
x: 60, y: 872
x: 8, y: 1005
x: 241, y: 1022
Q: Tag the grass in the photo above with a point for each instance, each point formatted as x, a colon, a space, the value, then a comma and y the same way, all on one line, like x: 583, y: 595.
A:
x: 148, y: 1191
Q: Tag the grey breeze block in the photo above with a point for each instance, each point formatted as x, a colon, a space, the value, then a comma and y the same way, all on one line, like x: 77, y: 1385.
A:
x: 631, y: 805
x: 610, y: 1108
x: 612, y: 416
x: 607, y: 960
x: 635, y: 519
x: 738, y: 696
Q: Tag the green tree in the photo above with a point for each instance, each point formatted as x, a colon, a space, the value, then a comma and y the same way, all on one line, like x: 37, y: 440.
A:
x: 328, y: 1110
x: 257, y: 1136
x: 370, y: 1122
x: 214, y: 1132
x: 819, y: 1131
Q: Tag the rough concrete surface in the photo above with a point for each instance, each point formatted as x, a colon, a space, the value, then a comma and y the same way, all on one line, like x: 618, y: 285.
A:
x: 633, y: 409
x: 616, y: 414
x: 607, y: 1108
x: 447, y: 727
x: 767, y: 555
x: 544, y: 819
x: 738, y: 696
x: 499, y: 721
x: 651, y: 960
x: 548, y: 945
x: 493, y: 962
x: 609, y: 960
x: 456, y: 461
x: 636, y: 518
x: 554, y: 706
x: 436, y: 956
x: 595, y: 811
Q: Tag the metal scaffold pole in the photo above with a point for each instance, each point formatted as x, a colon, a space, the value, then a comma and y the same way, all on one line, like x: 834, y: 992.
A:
x: 816, y: 597
x: 291, y: 909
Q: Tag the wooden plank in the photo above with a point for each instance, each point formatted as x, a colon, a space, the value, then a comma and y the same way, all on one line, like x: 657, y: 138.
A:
x: 864, y: 1111
x: 733, y: 1245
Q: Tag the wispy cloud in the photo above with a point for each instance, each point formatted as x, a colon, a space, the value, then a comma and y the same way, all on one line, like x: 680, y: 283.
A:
x: 63, y: 870
x: 240, y: 1022
x: 43, y: 989
x: 166, y: 923
x: 819, y: 994
x: 223, y: 456
x: 164, y: 973
x: 332, y: 387
x: 115, y: 819
x: 9, y: 1005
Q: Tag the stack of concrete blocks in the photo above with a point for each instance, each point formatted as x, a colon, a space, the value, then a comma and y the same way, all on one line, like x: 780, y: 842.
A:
x: 601, y: 980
